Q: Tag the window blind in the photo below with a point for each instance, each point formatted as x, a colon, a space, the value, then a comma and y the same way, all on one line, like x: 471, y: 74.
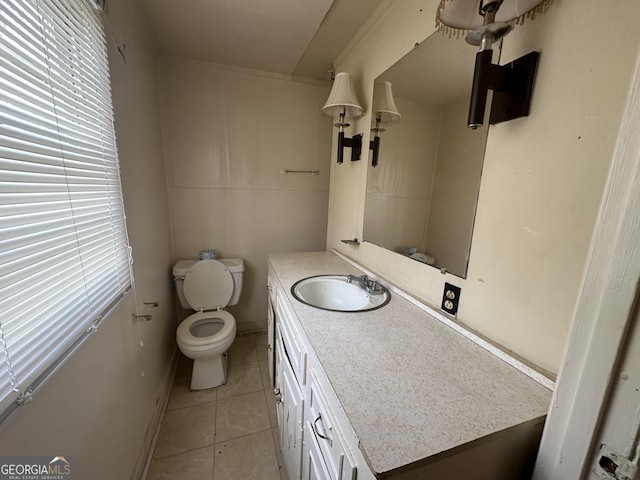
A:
x: 64, y: 257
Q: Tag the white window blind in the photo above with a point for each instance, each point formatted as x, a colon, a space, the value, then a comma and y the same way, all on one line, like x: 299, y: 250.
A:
x: 64, y: 258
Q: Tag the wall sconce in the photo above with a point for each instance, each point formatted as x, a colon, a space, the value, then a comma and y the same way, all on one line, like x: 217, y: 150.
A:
x: 343, y: 104
x: 385, y: 113
x: 488, y: 21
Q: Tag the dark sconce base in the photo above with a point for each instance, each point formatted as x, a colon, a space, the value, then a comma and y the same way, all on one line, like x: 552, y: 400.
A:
x: 355, y: 143
x: 512, y: 86
x: 374, y: 145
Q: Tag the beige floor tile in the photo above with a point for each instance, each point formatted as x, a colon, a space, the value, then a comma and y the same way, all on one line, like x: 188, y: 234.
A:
x: 182, y: 396
x: 266, y: 378
x: 251, y: 457
x: 241, y: 379
x: 269, y: 396
x: 260, y: 339
x: 183, y: 371
x: 275, y: 434
x: 192, y: 465
x: 241, y: 415
x: 185, y: 429
x: 243, y: 351
x: 271, y: 407
x: 261, y: 346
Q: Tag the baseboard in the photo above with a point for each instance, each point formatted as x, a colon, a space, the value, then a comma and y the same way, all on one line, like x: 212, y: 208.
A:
x: 153, y: 429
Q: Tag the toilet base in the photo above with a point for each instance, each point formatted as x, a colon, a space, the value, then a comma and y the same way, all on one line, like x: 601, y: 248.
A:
x: 209, y: 372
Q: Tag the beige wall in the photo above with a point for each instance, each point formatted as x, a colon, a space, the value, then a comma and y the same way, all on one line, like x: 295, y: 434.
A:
x: 543, y: 175
x: 227, y: 136
x: 100, y: 408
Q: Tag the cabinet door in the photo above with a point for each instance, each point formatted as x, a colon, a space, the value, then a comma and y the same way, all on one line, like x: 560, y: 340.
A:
x: 271, y: 325
x: 290, y: 410
x: 313, y: 466
x: 272, y: 289
x: 323, y: 427
x: 277, y: 379
x: 296, y: 353
x: 291, y: 430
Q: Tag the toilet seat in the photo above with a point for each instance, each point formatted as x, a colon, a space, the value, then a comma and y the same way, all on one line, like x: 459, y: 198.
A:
x: 186, y: 338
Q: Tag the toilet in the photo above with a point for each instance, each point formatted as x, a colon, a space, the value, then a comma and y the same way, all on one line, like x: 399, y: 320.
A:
x: 207, y: 286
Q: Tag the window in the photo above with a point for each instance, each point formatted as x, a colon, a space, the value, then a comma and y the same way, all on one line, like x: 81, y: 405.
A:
x: 64, y: 259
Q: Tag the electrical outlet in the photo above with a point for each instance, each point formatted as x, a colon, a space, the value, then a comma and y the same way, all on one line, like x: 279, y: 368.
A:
x: 450, y: 299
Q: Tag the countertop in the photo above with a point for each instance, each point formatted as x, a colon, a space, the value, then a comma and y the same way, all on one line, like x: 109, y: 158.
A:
x: 411, y: 386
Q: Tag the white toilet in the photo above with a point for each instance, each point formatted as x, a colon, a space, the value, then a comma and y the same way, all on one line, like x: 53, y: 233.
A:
x: 207, y: 286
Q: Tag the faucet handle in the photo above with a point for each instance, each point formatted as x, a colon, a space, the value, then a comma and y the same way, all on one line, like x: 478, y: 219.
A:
x: 374, y: 287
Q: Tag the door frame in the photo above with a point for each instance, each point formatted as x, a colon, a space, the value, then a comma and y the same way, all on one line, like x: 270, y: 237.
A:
x: 603, y: 313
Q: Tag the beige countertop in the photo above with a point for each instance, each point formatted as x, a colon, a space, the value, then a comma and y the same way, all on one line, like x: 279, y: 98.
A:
x: 411, y: 386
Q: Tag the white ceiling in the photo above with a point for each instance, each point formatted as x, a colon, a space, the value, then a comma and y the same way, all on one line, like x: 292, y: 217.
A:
x: 293, y: 37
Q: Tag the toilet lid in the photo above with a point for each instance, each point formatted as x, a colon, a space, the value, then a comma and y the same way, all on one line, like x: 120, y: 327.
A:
x: 208, y: 285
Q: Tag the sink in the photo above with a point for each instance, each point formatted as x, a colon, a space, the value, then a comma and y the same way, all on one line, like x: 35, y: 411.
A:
x: 335, y: 293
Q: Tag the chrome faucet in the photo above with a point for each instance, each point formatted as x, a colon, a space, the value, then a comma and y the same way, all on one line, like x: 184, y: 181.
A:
x: 370, y: 286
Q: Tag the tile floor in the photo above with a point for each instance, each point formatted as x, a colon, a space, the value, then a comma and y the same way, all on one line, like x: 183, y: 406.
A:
x: 225, y: 433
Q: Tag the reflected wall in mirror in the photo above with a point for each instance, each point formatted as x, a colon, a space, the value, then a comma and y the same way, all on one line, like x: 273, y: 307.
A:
x: 421, y: 197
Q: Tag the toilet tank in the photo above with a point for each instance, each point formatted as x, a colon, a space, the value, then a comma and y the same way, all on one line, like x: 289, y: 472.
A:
x: 235, y: 266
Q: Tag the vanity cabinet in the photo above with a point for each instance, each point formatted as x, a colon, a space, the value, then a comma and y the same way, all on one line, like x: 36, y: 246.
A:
x: 311, y: 444
x: 397, y: 393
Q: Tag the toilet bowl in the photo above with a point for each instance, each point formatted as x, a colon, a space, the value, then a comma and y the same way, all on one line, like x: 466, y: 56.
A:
x: 205, y: 337
x: 207, y: 286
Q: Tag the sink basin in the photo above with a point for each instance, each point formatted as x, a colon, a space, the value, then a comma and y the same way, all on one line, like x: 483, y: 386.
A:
x: 335, y: 293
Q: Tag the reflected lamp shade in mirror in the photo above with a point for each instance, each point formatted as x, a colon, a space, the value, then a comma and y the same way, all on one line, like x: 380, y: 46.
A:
x: 385, y: 113
x: 384, y: 107
x: 342, y: 99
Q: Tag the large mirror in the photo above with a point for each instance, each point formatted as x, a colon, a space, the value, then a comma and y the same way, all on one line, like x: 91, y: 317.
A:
x: 421, y: 197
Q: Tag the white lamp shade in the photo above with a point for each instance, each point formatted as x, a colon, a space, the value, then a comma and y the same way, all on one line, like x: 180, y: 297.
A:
x: 384, y: 107
x: 342, y: 98
x: 463, y: 14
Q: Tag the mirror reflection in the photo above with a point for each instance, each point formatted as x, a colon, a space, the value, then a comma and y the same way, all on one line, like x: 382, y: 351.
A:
x: 422, y: 194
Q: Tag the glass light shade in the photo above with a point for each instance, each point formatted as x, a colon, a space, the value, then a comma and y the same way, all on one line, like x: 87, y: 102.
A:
x: 463, y: 14
x: 384, y: 106
x: 342, y: 98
